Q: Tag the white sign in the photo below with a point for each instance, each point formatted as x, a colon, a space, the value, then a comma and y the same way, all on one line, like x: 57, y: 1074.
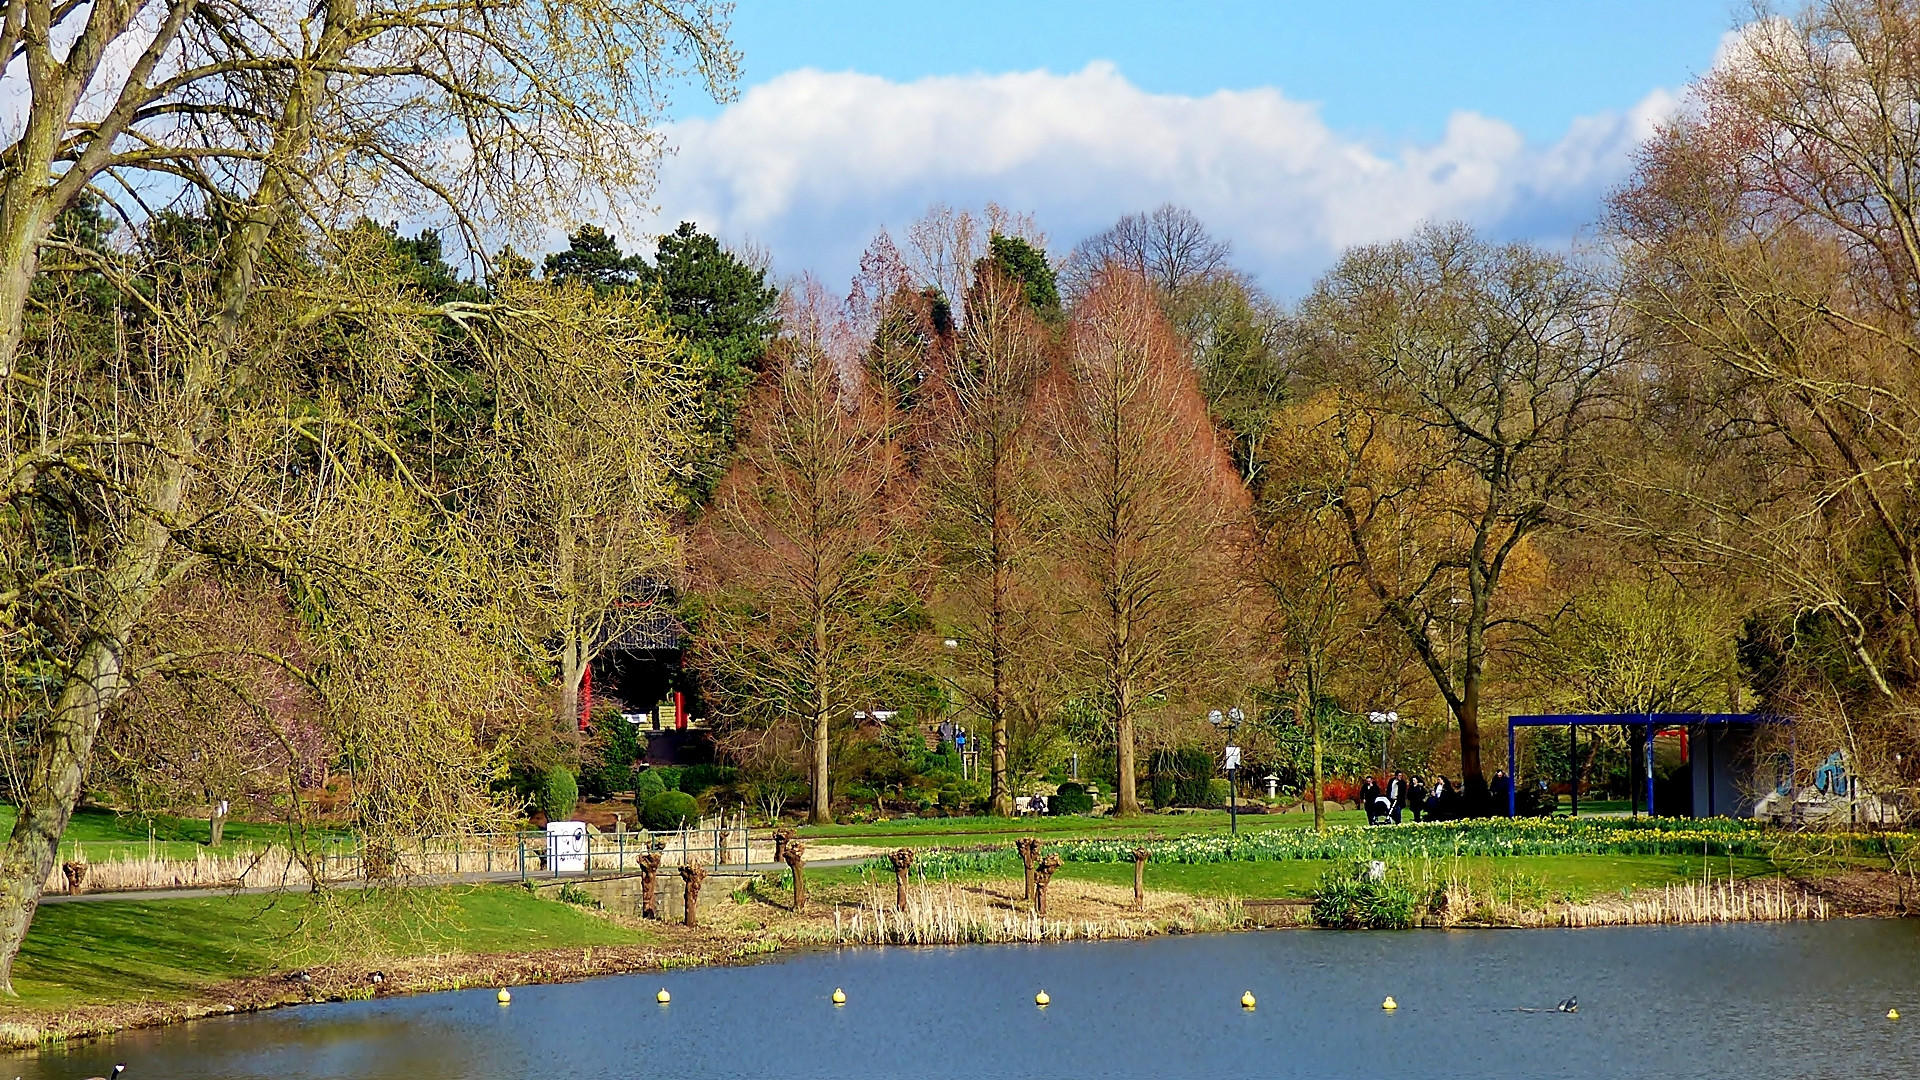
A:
x: 635, y: 717
x: 566, y: 846
x: 1233, y: 758
x: 1383, y: 717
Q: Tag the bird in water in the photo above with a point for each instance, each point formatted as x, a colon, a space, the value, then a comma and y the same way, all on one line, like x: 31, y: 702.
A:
x: 1571, y: 1004
x: 115, y: 1074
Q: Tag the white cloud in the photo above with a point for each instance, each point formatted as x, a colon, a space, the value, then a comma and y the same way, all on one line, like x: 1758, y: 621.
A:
x: 811, y: 164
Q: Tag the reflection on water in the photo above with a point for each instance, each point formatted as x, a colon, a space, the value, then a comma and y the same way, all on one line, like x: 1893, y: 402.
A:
x: 1726, y: 1001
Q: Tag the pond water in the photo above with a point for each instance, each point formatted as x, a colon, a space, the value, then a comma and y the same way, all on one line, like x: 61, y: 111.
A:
x: 1780, y: 1000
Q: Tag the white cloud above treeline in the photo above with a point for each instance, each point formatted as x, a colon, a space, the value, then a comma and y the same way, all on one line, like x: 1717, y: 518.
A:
x: 809, y: 165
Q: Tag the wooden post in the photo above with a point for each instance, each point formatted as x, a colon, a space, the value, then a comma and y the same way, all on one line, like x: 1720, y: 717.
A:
x: 693, y: 874
x: 649, y: 862
x: 1043, y: 876
x: 1029, y: 848
x: 1140, y: 879
x: 794, y: 854
x: 902, y: 866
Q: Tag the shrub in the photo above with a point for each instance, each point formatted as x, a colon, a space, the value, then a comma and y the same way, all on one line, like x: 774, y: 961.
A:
x: 1071, y: 799
x: 647, y: 785
x: 608, y: 764
x: 1194, y: 767
x: 1357, y: 900
x: 577, y: 896
x: 558, y: 793
x: 669, y: 810
x: 1161, y: 789
x: 1219, y: 791
x: 696, y: 779
x: 670, y: 775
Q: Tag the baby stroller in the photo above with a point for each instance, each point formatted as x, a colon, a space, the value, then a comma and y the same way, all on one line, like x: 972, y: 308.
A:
x: 1380, y: 810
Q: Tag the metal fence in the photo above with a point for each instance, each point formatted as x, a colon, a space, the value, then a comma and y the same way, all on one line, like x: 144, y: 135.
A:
x: 345, y: 860
x: 524, y: 855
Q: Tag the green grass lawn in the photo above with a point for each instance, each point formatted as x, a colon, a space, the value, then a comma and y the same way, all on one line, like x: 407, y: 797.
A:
x: 1576, y: 876
x: 104, y: 834
x: 104, y: 951
x: 950, y: 832
x: 1559, y: 876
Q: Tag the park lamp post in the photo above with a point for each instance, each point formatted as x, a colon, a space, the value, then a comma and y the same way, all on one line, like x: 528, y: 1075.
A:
x: 1228, y: 723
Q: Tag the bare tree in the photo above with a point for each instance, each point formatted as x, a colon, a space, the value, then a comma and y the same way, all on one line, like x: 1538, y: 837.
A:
x: 1468, y: 386
x: 1770, y: 238
x: 1168, y: 246
x: 981, y: 490
x: 593, y: 427
x: 800, y: 561
x: 272, y: 121
x: 1142, y: 501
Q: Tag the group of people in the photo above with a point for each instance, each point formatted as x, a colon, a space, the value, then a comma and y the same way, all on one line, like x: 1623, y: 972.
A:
x: 1442, y: 800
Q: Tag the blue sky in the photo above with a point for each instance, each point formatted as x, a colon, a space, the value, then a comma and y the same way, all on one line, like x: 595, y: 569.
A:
x: 1294, y: 129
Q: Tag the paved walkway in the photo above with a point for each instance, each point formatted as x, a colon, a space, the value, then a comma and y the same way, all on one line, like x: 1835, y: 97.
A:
x: 479, y: 878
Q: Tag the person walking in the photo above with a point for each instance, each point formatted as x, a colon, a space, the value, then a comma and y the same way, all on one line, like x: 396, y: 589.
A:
x: 1417, y: 797
x: 1437, y: 799
x: 1369, y: 795
x: 1396, y: 795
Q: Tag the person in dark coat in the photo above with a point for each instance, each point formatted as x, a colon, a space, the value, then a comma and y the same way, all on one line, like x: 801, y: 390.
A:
x: 1417, y: 797
x: 1437, y: 799
x: 1502, y: 791
x: 1369, y: 792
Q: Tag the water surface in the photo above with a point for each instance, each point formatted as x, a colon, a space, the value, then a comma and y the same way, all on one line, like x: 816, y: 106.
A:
x: 1780, y: 1000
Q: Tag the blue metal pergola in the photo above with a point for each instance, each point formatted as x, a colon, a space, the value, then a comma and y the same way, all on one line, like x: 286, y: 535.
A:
x: 1652, y: 722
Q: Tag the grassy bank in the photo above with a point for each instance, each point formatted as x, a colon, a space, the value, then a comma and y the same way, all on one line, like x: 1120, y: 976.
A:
x: 1564, y: 876
x: 104, y: 834
x: 111, y: 951
x: 960, y: 831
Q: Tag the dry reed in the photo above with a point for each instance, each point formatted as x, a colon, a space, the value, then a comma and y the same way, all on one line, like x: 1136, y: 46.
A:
x: 949, y: 914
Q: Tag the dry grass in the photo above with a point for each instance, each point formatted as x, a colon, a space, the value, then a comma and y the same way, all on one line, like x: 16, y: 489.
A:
x: 992, y: 912
x: 1702, y: 901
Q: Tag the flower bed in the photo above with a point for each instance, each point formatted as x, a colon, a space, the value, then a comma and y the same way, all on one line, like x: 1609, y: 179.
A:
x: 1525, y: 836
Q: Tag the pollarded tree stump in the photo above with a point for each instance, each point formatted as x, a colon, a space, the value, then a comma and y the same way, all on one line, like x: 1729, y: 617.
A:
x: 794, y: 854
x: 76, y: 874
x: 649, y: 863
x: 902, y: 861
x: 1140, y: 879
x: 1029, y: 848
x: 781, y: 838
x: 1042, y: 877
x: 693, y: 874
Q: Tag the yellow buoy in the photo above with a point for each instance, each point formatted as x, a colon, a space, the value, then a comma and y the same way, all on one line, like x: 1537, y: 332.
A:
x: 1246, y: 1000
x: 1041, y: 999
x: 1893, y: 1014
x: 1389, y: 1004
x: 839, y: 996
x: 503, y: 997
x: 663, y: 997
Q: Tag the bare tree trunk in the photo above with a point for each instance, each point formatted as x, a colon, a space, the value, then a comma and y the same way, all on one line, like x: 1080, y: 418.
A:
x: 1041, y: 879
x: 1319, y: 777
x: 66, y: 745
x: 1029, y: 848
x: 795, y: 856
x: 1126, y: 801
x: 693, y: 874
x: 649, y: 884
x: 999, y: 792
x: 1140, y: 879
x: 822, y: 812
x: 902, y: 866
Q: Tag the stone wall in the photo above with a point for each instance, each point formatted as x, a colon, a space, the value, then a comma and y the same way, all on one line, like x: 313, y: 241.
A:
x: 620, y: 894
